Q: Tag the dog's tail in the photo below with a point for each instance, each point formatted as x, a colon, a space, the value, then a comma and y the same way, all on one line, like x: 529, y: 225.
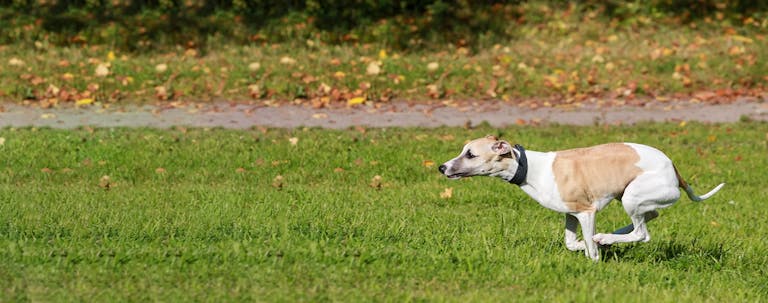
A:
x: 689, y: 190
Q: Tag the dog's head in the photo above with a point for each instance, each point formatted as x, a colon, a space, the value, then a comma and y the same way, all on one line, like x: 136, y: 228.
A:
x: 486, y: 156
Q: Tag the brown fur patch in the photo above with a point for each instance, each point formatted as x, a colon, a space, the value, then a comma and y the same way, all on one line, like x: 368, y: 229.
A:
x: 585, y: 175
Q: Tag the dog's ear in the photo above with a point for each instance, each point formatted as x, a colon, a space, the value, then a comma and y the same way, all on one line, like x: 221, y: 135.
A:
x: 501, y: 147
x: 492, y: 137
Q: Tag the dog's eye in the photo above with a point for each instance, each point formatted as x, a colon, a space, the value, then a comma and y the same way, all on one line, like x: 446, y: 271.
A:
x: 470, y: 155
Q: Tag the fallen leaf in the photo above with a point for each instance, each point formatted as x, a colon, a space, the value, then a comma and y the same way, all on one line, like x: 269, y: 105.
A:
x: 161, y: 92
x: 161, y: 68
x: 742, y: 39
x: 84, y: 101
x: 373, y: 69
x: 254, y: 90
x: 46, y: 170
x: 319, y: 116
x: 277, y: 182
x: 338, y: 170
x: 104, y: 182
x: 375, y: 182
x: 15, y: 62
x: 160, y: 170
x: 293, y: 141
x: 240, y: 170
x: 355, y: 101
x: 447, y: 193
x: 324, y: 88
x: 433, y: 91
x: 287, y: 61
x: 52, y: 90
x: 736, y: 50
x: 428, y: 163
x: 2, y: 141
x: 432, y: 66
x: 254, y: 66
x: 102, y: 70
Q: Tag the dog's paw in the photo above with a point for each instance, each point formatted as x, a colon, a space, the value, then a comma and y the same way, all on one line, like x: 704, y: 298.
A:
x: 603, y: 239
x: 576, y: 245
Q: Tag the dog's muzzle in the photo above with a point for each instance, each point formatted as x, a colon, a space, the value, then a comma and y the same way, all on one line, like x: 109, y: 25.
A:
x: 442, y: 169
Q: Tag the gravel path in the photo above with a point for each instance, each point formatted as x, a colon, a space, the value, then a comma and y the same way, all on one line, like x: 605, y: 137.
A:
x: 240, y: 116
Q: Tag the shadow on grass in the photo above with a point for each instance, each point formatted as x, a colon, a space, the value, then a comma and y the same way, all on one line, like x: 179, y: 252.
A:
x: 668, y: 252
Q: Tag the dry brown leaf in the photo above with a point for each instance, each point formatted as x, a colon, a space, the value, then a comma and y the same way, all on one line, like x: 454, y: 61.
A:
x: 105, y: 182
x: 375, y: 182
x: 447, y: 193
x: 277, y: 182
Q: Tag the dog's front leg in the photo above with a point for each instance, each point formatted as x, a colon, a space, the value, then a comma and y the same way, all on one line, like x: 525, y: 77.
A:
x: 571, y: 238
x: 587, y: 220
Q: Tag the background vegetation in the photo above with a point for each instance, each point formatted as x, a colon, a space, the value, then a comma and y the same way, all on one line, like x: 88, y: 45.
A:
x: 397, y: 24
x: 351, y: 52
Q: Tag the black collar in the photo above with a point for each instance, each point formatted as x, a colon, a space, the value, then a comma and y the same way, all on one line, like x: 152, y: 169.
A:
x: 522, y: 166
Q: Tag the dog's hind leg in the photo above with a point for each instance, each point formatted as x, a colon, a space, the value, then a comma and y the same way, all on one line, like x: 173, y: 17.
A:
x: 629, y: 228
x: 641, y: 198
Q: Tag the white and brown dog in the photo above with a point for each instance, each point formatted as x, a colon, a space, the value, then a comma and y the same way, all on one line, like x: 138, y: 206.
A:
x: 579, y: 182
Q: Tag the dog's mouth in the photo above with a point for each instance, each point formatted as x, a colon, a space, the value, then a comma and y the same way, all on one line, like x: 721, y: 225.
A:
x: 455, y: 176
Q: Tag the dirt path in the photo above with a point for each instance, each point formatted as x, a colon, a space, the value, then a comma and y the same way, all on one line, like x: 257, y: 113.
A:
x: 400, y: 114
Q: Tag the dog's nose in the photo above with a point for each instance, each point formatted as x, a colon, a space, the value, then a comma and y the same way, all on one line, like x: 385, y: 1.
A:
x: 442, y: 169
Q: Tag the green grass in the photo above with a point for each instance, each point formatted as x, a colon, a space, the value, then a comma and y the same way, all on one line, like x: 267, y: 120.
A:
x: 202, y: 229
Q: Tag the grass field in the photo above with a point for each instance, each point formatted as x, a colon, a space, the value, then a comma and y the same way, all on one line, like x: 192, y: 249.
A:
x: 201, y: 215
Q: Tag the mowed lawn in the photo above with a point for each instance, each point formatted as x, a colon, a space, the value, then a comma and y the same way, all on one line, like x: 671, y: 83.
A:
x: 299, y: 215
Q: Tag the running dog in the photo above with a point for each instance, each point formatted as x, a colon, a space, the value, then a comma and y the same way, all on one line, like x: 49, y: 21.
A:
x: 579, y: 182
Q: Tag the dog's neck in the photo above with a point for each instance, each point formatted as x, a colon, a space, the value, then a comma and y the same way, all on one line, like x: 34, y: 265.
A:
x: 513, y: 173
x: 518, y: 177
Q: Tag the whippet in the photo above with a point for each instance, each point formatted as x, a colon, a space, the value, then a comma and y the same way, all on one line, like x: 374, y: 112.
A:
x: 579, y: 182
